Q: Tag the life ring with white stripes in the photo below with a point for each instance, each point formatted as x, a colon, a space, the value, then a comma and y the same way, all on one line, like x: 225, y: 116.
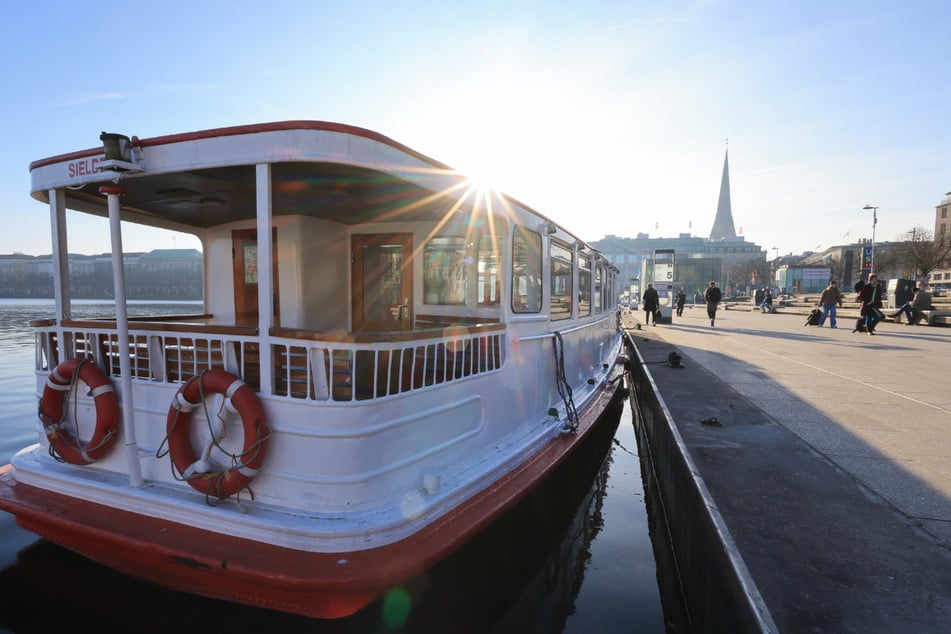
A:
x: 53, y: 409
x: 200, y: 473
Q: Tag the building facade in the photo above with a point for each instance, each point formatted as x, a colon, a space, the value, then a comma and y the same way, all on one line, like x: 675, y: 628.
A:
x: 735, y: 264
x: 940, y: 278
x: 172, y: 274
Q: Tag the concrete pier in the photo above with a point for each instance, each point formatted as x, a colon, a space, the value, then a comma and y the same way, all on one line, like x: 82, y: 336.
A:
x: 826, y: 455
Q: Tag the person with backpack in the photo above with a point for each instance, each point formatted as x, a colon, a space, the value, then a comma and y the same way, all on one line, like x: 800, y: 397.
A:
x: 830, y: 298
x: 712, y: 297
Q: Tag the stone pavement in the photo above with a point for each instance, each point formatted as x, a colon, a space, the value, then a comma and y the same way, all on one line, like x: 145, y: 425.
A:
x: 831, y: 465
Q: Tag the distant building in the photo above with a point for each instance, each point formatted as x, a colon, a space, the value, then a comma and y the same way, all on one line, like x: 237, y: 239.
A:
x: 793, y: 280
x: 844, y: 262
x: 941, y: 276
x: 941, y: 220
x: 723, y: 227
x: 167, y: 274
x: 737, y: 265
x: 160, y: 274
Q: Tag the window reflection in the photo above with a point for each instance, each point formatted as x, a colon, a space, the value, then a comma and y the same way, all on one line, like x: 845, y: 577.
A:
x: 561, y: 287
x: 444, y: 271
x: 526, y: 271
x: 584, y: 286
x: 488, y: 265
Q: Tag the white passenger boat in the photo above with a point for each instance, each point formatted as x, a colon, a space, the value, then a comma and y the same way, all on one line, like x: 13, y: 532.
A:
x: 426, y: 354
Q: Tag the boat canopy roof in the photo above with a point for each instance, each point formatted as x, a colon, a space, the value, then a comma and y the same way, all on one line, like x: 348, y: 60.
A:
x: 203, y: 179
x: 193, y: 181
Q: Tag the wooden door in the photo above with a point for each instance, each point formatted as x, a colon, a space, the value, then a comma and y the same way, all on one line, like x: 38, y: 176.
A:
x: 244, y: 253
x: 382, y: 282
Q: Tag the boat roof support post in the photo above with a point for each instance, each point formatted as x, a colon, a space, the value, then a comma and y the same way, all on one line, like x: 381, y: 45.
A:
x: 112, y: 193
x: 60, y: 256
x: 266, y: 297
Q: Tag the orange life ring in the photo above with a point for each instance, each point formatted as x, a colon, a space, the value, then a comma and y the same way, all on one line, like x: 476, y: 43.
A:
x: 244, y: 401
x: 53, y: 411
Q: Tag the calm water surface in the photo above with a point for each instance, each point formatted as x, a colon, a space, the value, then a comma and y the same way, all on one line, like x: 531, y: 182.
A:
x: 573, y: 557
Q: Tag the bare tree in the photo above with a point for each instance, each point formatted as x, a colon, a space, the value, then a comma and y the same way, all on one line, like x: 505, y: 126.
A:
x: 886, y: 260
x: 922, y: 253
x: 751, y: 272
x: 836, y: 266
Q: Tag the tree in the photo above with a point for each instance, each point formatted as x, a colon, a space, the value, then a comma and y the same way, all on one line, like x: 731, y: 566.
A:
x: 836, y: 264
x: 887, y: 260
x: 922, y: 253
x: 746, y: 273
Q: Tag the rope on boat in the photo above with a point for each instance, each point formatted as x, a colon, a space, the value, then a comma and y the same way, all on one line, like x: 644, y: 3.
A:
x: 564, y: 389
x: 52, y: 428
x: 239, y: 462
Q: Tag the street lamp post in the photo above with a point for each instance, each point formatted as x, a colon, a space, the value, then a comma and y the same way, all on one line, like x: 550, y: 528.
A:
x: 871, y: 263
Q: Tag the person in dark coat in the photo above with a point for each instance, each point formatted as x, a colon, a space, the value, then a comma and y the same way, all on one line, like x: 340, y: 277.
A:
x: 871, y: 297
x: 651, y: 302
x: 712, y: 296
x: 681, y: 300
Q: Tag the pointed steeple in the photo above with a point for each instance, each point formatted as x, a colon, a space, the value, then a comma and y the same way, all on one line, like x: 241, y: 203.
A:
x: 723, y: 224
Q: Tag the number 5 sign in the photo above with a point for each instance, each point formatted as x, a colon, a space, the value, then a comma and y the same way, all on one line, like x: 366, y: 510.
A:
x: 663, y: 272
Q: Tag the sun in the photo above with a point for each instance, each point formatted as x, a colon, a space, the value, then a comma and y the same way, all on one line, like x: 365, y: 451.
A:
x: 482, y: 174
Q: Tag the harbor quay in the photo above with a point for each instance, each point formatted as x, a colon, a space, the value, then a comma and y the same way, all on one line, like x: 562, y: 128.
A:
x: 807, y: 470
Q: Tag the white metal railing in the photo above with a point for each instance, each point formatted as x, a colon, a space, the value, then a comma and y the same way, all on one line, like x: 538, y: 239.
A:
x: 354, y: 371
x: 306, y: 365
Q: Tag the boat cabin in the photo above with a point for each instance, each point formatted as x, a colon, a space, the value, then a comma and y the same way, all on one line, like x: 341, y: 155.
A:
x: 385, y: 271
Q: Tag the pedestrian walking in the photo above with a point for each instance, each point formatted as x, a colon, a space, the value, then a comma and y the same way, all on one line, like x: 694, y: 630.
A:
x: 651, y: 302
x: 831, y: 298
x: 681, y: 300
x: 712, y: 297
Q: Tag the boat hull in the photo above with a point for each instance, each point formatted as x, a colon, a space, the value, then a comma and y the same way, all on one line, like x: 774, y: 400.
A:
x: 318, y: 585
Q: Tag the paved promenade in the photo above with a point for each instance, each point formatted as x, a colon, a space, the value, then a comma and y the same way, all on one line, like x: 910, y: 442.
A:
x: 831, y: 463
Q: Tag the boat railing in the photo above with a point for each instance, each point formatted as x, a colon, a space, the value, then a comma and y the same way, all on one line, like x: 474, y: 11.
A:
x: 345, y: 367
x: 306, y: 364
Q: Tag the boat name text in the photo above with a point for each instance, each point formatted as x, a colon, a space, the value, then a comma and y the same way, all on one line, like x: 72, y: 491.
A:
x: 83, y: 167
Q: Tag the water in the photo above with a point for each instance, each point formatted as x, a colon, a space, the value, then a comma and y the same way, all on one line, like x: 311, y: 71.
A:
x: 575, y: 556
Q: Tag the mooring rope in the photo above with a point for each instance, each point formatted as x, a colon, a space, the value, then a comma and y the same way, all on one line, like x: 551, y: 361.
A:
x: 561, y: 381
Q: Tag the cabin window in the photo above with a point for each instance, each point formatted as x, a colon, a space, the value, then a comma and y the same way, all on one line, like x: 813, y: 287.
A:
x: 598, y: 272
x: 526, y: 271
x: 561, y: 287
x: 444, y: 271
x: 490, y: 254
x: 584, y: 286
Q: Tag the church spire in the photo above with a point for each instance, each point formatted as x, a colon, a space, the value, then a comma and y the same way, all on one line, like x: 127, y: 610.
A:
x: 723, y: 224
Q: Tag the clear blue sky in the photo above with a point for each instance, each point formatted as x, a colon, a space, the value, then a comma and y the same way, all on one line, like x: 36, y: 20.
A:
x: 608, y: 116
